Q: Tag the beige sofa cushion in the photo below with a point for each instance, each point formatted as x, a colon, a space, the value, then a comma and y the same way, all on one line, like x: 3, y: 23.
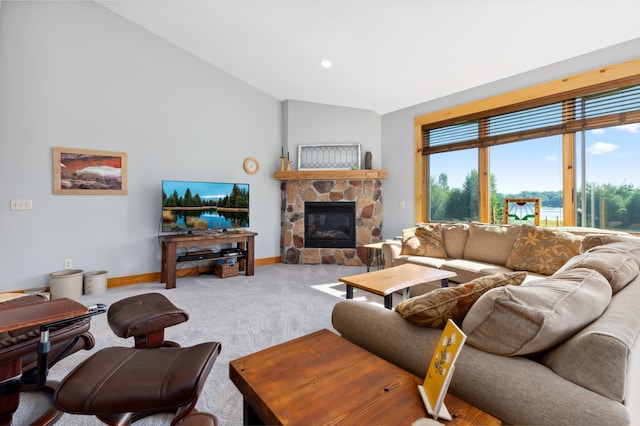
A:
x: 604, y: 346
x: 423, y: 240
x: 542, y: 250
x: 490, y: 243
x: 537, y: 315
x: 469, y: 270
x: 455, y: 238
x: 614, y: 261
x: 630, y: 243
x: 435, y: 308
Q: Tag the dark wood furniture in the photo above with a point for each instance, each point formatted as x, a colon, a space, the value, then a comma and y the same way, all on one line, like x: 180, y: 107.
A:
x: 322, y: 379
x: 19, y: 319
x: 402, y: 277
x: 171, y: 243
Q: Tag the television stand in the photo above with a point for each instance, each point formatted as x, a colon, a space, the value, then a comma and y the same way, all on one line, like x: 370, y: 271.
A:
x: 170, y: 243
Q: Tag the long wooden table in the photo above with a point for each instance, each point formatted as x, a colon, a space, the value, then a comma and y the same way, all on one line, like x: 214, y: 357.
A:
x: 323, y: 379
x: 171, y: 243
x: 402, y: 277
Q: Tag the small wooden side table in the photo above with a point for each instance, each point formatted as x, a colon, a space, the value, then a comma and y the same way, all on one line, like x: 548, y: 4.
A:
x: 374, y: 251
x: 323, y: 379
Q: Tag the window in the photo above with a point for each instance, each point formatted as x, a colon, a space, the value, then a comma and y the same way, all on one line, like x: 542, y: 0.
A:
x: 562, y: 111
x: 528, y: 169
x: 608, y: 180
x: 453, y: 192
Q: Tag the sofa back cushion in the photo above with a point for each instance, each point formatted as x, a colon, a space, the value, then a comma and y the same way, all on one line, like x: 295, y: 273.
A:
x: 455, y: 238
x: 614, y: 261
x: 628, y: 242
x: 490, y: 243
x: 537, y: 315
x: 542, y: 250
x: 597, y: 357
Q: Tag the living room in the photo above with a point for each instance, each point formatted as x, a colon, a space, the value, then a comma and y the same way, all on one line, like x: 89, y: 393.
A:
x: 121, y: 88
x: 75, y: 74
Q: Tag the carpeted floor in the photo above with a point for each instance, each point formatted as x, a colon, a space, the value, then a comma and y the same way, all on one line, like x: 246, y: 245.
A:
x: 246, y: 314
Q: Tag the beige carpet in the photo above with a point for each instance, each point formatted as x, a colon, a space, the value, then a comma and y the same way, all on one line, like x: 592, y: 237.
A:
x: 246, y: 314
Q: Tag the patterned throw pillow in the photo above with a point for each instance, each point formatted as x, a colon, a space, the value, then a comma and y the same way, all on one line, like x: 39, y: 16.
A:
x: 433, y: 309
x: 542, y: 250
x: 426, y: 240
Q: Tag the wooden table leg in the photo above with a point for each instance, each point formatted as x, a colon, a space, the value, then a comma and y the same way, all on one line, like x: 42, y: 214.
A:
x: 242, y: 261
x: 9, y: 402
x: 369, y: 258
x: 250, y: 417
x: 170, y: 264
x: 250, y: 256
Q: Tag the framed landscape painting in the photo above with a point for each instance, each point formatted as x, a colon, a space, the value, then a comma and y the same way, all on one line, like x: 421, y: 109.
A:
x: 88, y: 172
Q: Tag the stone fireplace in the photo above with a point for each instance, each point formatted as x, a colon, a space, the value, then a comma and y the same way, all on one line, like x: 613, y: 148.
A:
x: 365, y: 195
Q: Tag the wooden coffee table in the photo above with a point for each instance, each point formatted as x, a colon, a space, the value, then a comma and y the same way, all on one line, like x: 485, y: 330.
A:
x: 323, y: 379
x: 401, y: 277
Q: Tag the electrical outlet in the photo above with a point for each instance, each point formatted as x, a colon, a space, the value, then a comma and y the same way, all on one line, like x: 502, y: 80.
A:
x: 68, y: 263
x: 402, y: 204
x: 21, y: 205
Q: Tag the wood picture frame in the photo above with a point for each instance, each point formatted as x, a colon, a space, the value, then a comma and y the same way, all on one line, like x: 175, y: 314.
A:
x: 89, y: 172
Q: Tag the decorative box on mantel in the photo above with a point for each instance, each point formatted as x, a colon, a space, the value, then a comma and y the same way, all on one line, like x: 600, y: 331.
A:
x: 364, y: 187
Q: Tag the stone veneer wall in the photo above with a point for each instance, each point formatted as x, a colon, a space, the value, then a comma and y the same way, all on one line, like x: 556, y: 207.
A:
x: 368, y: 197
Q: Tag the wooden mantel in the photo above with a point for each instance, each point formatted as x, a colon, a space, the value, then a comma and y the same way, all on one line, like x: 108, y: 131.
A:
x: 331, y: 174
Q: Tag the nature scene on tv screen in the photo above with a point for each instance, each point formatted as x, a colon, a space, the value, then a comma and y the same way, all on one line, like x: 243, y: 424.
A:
x: 202, y: 206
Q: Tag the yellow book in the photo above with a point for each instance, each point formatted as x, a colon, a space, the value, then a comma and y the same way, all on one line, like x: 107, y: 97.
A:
x: 440, y: 371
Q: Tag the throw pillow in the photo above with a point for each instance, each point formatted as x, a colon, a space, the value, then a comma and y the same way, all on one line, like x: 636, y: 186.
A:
x: 433, y: 309
x: 537, y: 315
x: 426, y: 241
x: 542, y: 250
x: 614, y: 261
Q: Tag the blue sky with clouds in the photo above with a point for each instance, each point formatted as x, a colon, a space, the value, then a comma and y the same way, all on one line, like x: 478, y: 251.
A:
x: 612, y: 156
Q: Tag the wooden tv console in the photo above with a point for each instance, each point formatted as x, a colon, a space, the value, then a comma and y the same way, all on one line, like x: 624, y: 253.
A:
x: 171, y: 243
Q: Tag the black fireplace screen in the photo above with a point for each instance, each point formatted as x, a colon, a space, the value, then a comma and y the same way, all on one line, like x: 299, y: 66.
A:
x: 329, y: 224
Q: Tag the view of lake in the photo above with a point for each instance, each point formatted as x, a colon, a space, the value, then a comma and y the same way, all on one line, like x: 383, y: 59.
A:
x: 551, y: 213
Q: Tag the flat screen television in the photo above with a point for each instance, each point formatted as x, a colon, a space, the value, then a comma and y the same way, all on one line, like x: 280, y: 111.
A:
x: 204, y: 206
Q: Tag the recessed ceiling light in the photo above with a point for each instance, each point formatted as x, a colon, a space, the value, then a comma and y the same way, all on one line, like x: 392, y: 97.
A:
x: 325, y: 63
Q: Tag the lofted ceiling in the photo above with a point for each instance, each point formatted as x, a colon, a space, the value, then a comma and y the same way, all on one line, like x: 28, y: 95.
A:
x: 386, y: 54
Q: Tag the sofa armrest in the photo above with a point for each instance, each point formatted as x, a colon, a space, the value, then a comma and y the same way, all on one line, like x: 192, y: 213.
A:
x: 391, y: 250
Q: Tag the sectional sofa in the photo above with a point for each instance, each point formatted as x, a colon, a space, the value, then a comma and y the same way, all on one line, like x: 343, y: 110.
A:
x: 559, y: 348
x: 472, y: 250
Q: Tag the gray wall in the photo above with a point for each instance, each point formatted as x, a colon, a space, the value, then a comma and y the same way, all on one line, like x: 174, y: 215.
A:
x: 307, y: 123
x: 398, y: 137
x: 73, y: 74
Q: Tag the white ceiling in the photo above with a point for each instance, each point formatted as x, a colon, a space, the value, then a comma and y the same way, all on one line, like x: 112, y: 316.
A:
x: 386, y: 54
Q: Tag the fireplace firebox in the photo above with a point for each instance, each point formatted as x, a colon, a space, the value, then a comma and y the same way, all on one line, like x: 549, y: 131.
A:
x: 329, y: 224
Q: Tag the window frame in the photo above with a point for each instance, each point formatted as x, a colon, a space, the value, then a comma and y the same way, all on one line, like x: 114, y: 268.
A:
x: 605, y: 78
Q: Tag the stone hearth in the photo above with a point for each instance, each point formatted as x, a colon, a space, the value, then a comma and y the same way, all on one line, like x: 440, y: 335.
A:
x: 367, y: 193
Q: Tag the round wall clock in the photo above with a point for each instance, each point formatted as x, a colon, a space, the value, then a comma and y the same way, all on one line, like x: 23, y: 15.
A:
x: 251, y: 166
